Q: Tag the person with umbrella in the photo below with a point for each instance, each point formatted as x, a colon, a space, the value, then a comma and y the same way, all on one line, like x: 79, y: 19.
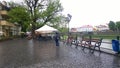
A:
x: 57, y: 38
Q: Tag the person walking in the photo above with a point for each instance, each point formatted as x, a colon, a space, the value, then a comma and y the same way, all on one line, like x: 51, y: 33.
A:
x: 57, y: 38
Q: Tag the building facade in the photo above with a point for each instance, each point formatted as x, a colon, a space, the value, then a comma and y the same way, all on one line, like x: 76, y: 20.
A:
x: 7, y: 29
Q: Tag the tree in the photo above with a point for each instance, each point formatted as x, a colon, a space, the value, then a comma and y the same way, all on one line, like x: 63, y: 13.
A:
x: 20, y: 16
x: 118, y: 25
x: 43, y: 11
x: 112, y: 26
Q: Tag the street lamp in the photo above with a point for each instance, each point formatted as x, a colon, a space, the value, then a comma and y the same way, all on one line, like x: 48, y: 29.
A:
x: 68, y: 20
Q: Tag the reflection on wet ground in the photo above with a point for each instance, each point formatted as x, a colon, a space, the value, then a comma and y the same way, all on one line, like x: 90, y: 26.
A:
x: 22, y: 53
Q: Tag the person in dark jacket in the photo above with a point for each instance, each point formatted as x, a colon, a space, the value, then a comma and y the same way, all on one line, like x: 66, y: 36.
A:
x: 57, y: 38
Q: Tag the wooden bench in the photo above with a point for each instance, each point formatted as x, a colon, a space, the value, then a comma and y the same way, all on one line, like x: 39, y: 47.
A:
x: 86, y: 42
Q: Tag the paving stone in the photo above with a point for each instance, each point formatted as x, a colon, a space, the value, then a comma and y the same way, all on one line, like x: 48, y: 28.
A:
x: 23, y: 53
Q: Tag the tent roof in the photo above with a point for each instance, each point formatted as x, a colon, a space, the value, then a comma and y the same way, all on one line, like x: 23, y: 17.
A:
x: 46, y: 29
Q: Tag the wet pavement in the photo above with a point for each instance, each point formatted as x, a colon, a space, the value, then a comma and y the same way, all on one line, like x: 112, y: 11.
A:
x: 23, y: 53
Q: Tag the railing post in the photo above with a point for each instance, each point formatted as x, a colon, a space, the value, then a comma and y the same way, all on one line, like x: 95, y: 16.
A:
x: 90, y: 37
x: 117, y: 38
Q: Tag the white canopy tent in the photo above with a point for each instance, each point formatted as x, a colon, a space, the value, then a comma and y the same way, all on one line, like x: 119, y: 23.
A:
x: 46, y: 29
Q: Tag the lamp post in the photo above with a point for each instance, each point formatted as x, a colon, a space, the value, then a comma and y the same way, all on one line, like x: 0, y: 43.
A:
x: 68, y: 20
x: 68, y: 27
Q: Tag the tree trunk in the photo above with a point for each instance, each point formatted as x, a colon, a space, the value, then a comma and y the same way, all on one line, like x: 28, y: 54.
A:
x: 33, y: 31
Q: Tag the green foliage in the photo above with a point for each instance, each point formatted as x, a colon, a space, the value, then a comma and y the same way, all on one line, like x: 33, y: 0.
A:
x: 19, y: 15
x: 104, y: 36
x: 118, y: 25
x: 37, y: 13
x: 51, y: 14
x: 112, y: 25
x: 63, y: 30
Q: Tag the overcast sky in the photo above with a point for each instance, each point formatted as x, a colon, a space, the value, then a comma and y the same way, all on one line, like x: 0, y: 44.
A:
x: 90, y: 12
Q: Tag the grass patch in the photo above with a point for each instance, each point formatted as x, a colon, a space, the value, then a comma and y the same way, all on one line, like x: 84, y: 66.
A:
x: 104, y: 36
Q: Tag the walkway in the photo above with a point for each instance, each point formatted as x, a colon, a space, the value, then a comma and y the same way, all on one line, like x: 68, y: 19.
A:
x: 22, y: 53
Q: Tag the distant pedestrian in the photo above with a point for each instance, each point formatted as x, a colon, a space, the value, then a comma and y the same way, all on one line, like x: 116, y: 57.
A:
x: 40, y: 37
x: 57, y: 38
